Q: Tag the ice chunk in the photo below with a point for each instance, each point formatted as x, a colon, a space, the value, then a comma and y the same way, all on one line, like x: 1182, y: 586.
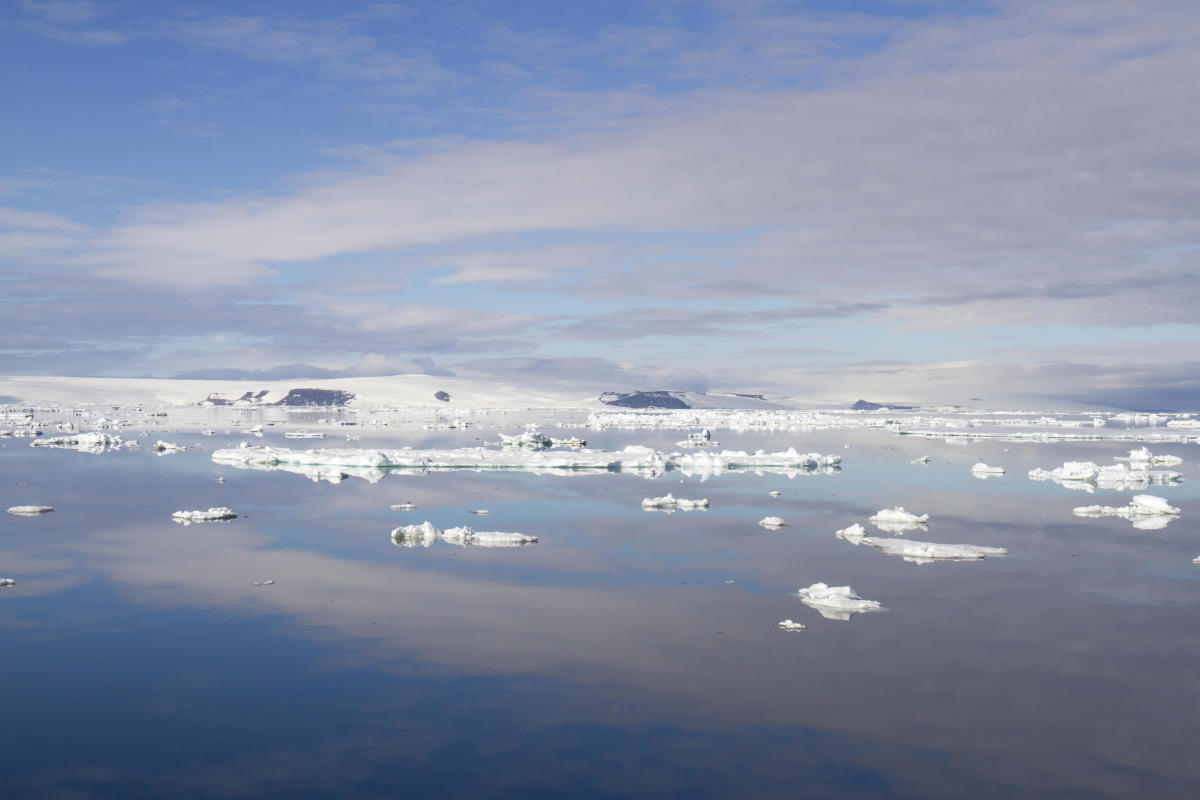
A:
x: 790, y: 625
x: 188, y: 517
x: 480, y: 511
x: 983, y: 470
x: 7, y: 582
x: 773, y: 523
x: 853, y: 534
x: 671, y: 503
x: 425, y: 534
x: 1143, y: 458
x: 304, y: 435
x: 83, y: 442
x: 30, y: 511
x: 162, y: 447
x: 921, y: 460
x: 1145, y: 511
x: 774, y: 493
x: 1087, y: 476
x: 530, y: 439
x: 926, y: 552
x: 836, y: 602
x: 268, y: 582
x: 897, y: 520
x: 408, y: 506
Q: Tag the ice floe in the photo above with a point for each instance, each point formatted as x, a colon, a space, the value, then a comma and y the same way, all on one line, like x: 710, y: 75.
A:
x: 774, y: 493
x: 5, y: 582
x: 1146, y: 511
x: 1143, y: 456
x: 836, y: 602
x: 982, y: 470
x: 409, y: 506
x: 927, y: 552
x: 853, y: 534
x: 267, y: 582
x: 670, y: 503
x: 162, y: 447
x: 897, y: 520
x: 30, y: 511
x: 188, y: 517
x: 425, y: 534
x: 791, y: 625
x: 1088, y: 476
x: 773, y: 523
x: 921, y: 460
x: 83, y: 442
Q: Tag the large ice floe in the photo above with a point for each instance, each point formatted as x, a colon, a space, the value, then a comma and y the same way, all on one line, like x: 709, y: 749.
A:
x: 210, y: 515
x: 83, y: 442
x: 836, y: 602
x: 425, y: 534
x: 30, y: 511
x: 1088, y: 476
x: 374, y: 464
x: 1145, y: 511
x: 928, y: 552
x: 670, y: 503
x: 897, y: 520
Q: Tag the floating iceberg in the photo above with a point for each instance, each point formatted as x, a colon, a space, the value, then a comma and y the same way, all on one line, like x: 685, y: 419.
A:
x: 1088, y: 476
x: 83, y: 442
x: 790, y: 625
x: 921, y: 460
x: 836, y: 602
x: 982, y: 470
x: 161, y: 447
x: 188, y: 517
x: 530, y: 439
x: 774, y: 493
x: 7, y: 582
x: 425, y: 534
x: 268, y: 582
x: 853, y: 534
x: 773, y: 523
x: 1142, y: 457
x: 897, y: 520
x: 671, y: 503
x: 30, y: 511
x: 1145, y: 511
x: 409, y: 506
x: 926, y: 552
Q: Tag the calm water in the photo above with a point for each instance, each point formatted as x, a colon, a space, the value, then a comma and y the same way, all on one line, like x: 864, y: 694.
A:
x: 628, y: 653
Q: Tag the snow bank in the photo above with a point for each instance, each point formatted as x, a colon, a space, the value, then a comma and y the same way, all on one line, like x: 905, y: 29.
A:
x: 671, y: 503
x: 926, y: 552
x: 30, y: 511
x: 425, y: 534
x: 836, y: 602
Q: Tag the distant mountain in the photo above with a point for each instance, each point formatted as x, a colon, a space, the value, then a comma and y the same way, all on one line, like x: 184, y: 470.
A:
x: 667, y: 398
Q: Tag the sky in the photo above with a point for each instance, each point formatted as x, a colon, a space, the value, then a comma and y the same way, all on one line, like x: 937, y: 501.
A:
x: 921, y: 199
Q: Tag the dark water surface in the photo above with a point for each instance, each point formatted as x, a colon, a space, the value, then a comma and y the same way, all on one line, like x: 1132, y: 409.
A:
x: 627, y: 653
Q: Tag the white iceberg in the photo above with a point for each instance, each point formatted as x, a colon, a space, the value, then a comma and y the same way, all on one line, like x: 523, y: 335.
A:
x: 982, y: 470
x: 530, y: 439
x: 425, y: 534
x: 671, y: 503
x: 791, y: 625
x: 836, y: 602
x: 773, y: 523
x: 921, y: 460
x: 188, y: 517
x: 926, y: 552
x: 1145, y: 511
x: 897, y: 520
x: 7, y: 582
x: 162, y: 447
x: 1088, y: 476
x: 853, y: 534
x: 30, y: 511
x: 1142, y: 457
x: 83, y: 442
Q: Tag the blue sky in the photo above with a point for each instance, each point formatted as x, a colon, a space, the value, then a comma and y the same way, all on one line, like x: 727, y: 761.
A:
x: 915, y: 198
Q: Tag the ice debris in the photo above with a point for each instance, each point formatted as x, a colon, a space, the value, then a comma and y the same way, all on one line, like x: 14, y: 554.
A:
x: 853, y: 534
x: 7, y: 582
x: 897, y: 520
x: 982, y: 470
x: 1087, y: 476
x: 921, y: 460
x: 162, y: 447
x: 927, y: 552
x: 83, y: 442
x: 670, y: 503
x: 836, y: 602
x: 407, y: 506
x: 790, y: 625
x: 483, y: 512
x: 774, y: 493
x: 30, y: 511
x: 1143, y: 456
x: 773, y: 523
x: 303, y: 435
x: 188, y: 517
x: 268, y: 582
x: 425, y: 534
x: 1145, y: 511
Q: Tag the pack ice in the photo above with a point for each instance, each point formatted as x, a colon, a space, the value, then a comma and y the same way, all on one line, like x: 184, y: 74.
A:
x: 1145, y: 511
x: 425, y: 534
x: 670, y: 503
x: 836, y: 602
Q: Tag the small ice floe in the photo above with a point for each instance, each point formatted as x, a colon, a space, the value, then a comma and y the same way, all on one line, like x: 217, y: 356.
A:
x: 774, y: 493
x: 790, y: 625
x: 897, y: 520
x: 1145, y: 511
x: 188, y: 517
x: 928, y: 552
x: 671, y: 503
x: 531, y: 440
x: 30, y: 511
x: 425, y: 534
x: 1142, y: 457
x: 1087, y: 476
x: 406, y: 506
x: 921, y: 460
x: 773, y: 523
x: 853, y: 534
x: 162, y: 447
x: 268, y: 582
x: 1196, y: 560
x: 483, y: 512
x: 304, y: 435
x: 984, y: 471
x: 83, y: 442
x: 836, y: 602
x: 7, y: 582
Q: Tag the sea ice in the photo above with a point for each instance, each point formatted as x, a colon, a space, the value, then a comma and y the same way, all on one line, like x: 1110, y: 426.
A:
x: 853, y: 534
x: 268, y: 582
x: 921, y: 460
x: 1145, y: 511
x: 1138, y: 459
x: 671, y: 503
x: 425, y: 534
x: 897, y: 520
x: 188, y: 517
x: 1087, y: 476
x: 790, y: 625
x: 83, y: 442
x: 926, y: 552
x: 30, y: 511
x: 984, y: 470
x: 409, y: 506
x: 7, y: 582
x: 774, y: 493
x: 773, y: 523
x: 162, y: 447
x: 303, y: 435
x: 836, y: 602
